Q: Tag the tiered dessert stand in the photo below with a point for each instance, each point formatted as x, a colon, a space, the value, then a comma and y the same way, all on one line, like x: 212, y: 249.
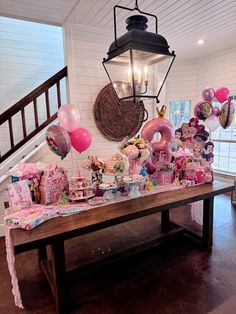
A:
x: 79, y: 190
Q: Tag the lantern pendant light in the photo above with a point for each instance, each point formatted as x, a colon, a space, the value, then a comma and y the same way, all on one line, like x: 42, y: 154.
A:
x: 138, y: 62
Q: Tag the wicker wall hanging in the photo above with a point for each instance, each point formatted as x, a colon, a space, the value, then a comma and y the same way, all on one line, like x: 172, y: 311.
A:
x: 116, y: 121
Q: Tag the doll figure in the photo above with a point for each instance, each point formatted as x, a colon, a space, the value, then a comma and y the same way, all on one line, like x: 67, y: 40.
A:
x: 176, y: 179
x: 36, y: 191
x: 31, y: 188
x: 180, y: 166
x: 178, y: 134
x: 193, y: 124
x: 201, y: 137
x: 208, y: 152
x: 177, y: 141
x: 186, y: 132
x: 188, y: 146
x: 197, y: 150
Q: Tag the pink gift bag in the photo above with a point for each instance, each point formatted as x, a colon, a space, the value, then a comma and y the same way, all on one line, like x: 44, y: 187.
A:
x: 164, y: 177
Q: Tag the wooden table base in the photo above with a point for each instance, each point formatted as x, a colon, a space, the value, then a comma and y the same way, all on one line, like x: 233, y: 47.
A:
x: 55, y: 269
x: 53, y: 233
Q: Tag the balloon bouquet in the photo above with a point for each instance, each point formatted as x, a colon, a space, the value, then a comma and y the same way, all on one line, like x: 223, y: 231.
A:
x: 191, y: 139
x: 214, y: 116
x: 61, y: 137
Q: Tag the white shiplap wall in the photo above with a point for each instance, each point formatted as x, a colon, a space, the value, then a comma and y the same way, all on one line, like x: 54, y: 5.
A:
x: 182, y: 83
x: 217, y: 70
x: 30, y: 53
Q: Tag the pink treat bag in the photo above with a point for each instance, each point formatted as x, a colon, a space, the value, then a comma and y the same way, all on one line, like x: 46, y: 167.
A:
x: 54, y: 181
x: 164, y: 177
x: 19, y: 195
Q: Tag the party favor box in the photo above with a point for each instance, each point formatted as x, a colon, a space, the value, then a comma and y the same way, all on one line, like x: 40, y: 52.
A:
x: 54, y: 182
x: 19, y: 195
x: 33, y: 173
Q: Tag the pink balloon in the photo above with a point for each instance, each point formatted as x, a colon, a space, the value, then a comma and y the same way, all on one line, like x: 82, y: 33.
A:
x: 69, y: 117
x: 162, y: 126
x: 208, y: 94
x: 212, y: 123
x: 222, y: 94
x: 216, y: 111
x: 58, y: 140
x: 81, y: 139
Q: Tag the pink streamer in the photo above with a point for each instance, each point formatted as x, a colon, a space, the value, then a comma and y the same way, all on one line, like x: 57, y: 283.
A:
x: 11, y: 267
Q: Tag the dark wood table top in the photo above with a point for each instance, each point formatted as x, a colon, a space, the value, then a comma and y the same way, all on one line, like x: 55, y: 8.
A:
x: 112, y: 214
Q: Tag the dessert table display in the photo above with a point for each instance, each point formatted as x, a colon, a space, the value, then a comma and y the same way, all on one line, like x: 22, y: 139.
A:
x: 145, y: 177
x: 54, y: 232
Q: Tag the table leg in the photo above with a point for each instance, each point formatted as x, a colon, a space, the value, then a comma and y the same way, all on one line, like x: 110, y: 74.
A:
x: 42, y: 254
x: 207, y: 229
x: 59, y: 277
x: 165, y: 221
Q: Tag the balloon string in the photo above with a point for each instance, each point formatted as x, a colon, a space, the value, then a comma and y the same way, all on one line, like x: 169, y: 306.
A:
x: 72, y: 162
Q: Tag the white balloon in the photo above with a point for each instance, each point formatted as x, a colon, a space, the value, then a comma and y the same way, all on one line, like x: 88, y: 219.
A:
x: 212, y: 123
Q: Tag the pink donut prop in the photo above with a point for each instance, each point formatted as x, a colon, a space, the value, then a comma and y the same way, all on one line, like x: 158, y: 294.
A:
x: 165, y: 128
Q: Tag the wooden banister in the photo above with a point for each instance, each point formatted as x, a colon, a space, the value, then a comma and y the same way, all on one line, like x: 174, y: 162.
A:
x: 20, y: 107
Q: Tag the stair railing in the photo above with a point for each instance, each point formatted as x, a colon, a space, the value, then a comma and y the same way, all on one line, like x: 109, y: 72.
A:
x: 20, y: 107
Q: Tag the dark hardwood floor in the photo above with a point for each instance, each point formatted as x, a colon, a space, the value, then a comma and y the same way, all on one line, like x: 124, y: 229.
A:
x: 175, y: 277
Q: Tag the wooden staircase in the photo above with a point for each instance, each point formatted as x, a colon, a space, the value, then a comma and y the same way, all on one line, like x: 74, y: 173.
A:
x: 20, y: 106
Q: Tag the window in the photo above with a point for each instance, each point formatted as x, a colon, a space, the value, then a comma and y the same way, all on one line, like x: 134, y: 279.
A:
x: 179, y: 112
x: 225, y: 145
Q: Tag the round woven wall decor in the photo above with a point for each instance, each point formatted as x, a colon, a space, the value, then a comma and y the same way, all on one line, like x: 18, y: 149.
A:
x: 116, y: 121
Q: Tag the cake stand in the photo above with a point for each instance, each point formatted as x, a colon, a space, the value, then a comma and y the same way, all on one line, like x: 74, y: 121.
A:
x: 117, y: 177
x: 108, y: 187
x: 133, y: 184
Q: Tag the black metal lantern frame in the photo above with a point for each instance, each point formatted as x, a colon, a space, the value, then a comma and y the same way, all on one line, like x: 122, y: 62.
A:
x: 136, y: 59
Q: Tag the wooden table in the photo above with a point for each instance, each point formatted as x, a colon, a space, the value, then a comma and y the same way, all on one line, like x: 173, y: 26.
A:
x: 56, y: 231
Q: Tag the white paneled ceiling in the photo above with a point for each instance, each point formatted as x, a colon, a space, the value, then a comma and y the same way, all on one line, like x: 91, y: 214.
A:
x: 44, y: 11
x: 182, y: 22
